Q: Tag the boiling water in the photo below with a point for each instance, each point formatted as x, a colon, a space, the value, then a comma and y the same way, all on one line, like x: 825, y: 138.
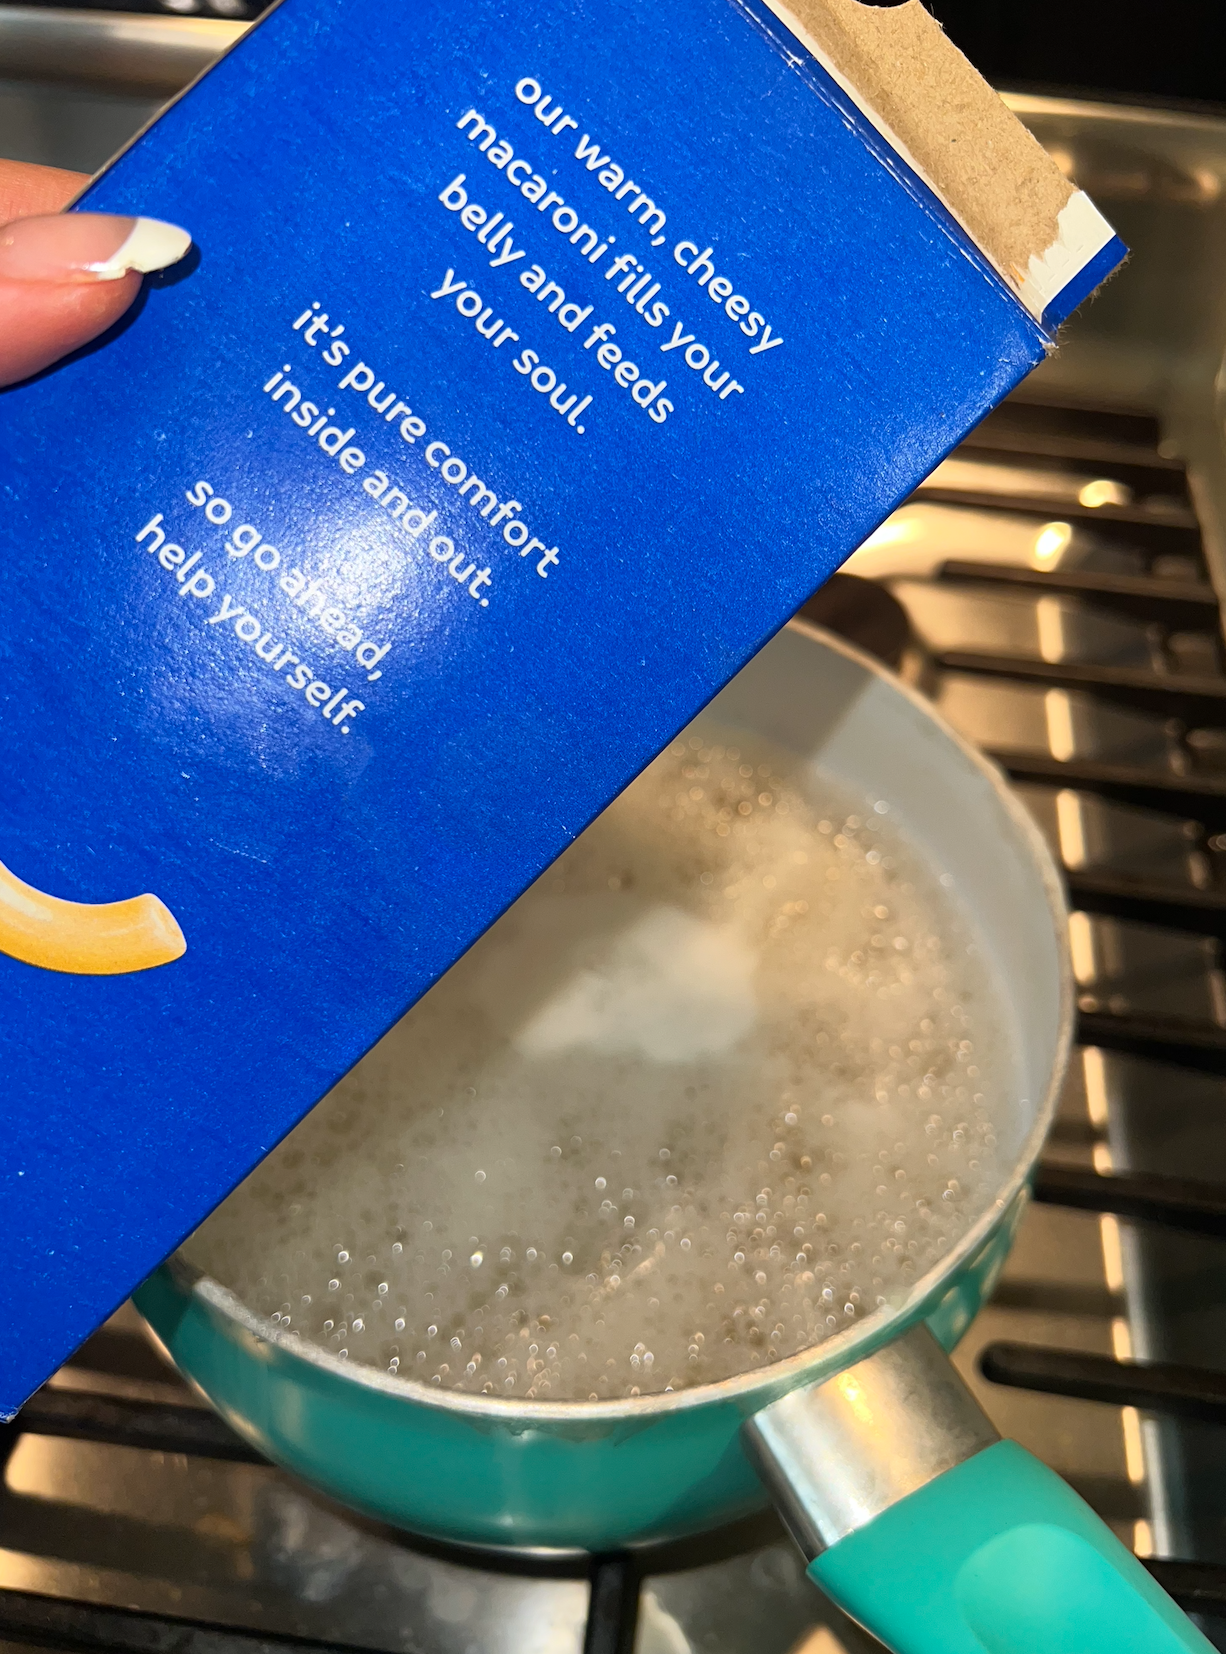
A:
x: 721, y: 1083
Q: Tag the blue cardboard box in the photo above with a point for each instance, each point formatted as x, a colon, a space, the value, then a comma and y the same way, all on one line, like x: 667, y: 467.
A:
x: 531, y: 366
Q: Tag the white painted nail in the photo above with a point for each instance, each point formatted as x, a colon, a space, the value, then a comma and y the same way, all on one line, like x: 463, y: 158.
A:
x: 152, y: 245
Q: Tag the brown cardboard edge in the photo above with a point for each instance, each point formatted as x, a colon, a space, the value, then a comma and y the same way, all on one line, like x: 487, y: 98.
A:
x: 943, y: 119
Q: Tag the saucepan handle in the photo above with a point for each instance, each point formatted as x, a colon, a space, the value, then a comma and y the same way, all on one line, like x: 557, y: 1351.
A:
x: 939, y: 1537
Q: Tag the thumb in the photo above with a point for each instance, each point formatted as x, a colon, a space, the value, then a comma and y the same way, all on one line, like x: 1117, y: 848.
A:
x: 67, y: 277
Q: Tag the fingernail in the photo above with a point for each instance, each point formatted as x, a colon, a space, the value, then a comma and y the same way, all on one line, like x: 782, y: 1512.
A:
x: 87, y: 247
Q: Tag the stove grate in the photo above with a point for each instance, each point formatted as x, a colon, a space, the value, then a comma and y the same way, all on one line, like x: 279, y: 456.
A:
x: 122, y: 1421
x: 1175, y: 1202
x: 91, y: 1628
x: 1154, y: 1386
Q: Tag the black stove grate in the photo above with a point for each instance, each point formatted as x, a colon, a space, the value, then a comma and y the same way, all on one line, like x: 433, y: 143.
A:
x: 1174, y: 1202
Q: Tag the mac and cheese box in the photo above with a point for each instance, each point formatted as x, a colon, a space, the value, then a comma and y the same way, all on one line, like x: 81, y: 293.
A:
x: 530, y: 367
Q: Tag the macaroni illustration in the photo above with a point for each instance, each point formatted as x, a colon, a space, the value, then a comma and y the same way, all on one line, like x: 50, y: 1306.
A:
x: 85, y: 938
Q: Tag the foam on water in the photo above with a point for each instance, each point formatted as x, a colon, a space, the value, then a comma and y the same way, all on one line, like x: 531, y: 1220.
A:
x: 723, y: 1081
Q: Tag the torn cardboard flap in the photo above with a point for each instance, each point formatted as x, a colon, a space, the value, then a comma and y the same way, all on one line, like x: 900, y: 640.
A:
x: 941, y: 116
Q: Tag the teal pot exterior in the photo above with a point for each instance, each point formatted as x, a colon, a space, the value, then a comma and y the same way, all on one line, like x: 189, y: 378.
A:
x: 596, y: 1476
x: 499, y: 1474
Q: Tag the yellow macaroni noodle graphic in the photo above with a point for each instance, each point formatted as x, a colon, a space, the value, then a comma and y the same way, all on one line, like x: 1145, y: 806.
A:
x: 85, y: 938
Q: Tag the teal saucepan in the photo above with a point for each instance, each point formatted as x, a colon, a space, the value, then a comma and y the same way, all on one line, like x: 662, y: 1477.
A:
x: 914, y: 1516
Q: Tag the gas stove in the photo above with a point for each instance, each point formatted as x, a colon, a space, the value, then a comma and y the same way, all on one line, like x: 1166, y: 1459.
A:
x: 1055, y: 587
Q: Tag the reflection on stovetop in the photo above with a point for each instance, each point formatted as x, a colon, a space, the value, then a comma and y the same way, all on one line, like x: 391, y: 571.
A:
x: 1054, y: 587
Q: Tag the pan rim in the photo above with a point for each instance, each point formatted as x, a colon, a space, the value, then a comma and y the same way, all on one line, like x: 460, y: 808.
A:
x: 754, y: 1389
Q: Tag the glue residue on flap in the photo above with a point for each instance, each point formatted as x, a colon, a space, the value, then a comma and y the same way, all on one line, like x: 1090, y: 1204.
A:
x: 1084, y: 232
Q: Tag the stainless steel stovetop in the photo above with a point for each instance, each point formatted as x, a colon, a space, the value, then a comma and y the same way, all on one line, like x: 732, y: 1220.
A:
x: 1060, y: 577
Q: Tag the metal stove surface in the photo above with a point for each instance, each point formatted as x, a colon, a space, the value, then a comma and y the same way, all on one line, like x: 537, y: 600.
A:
x: 1055, y: 588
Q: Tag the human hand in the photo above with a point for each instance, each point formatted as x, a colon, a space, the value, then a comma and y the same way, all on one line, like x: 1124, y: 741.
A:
x: 64, y: 279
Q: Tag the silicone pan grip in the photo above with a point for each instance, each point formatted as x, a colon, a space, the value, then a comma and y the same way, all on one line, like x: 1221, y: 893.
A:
x: 999, y: 1556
